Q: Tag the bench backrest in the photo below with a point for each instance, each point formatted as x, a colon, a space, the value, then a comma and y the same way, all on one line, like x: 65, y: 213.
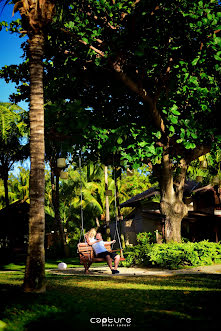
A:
x: 87, y: 251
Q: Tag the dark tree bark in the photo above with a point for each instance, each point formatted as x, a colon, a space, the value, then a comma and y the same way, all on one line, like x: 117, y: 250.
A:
x: 172, y: 205
x: 57, y: 214
x: 56, y: 202
x: 34, y: 280
x: 5, y: 180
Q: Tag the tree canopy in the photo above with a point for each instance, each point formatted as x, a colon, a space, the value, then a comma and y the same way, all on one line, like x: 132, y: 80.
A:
x: 148, y: 78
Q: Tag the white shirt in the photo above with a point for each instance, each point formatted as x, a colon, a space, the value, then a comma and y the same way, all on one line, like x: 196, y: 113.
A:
x: 99, y: 247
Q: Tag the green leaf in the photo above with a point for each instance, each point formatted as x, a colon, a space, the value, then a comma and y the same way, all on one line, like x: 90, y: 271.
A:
x: 186, y: 76
x: 119, y: 140
x: 189, y: 145
x: 142, y: 143
x: 217, y: 57
x: 193, y: 135
x: 151, y: 149
x: 204, y: 107
x: 85, y: 39
x: 174, y: 110
x: 194, y: 62
x: 158, y: 134
x: 171, y: 128
x: 174, y: 119
x: 182, y: 135
x: 217, y: 40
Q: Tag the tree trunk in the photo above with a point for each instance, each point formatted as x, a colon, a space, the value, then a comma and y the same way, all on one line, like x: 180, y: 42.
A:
x: 174, y: 213
x: 107, y: 206
x: 118, y: 211
x: 34, y: 280
x: 58, y: 216
x: 5, y: 179
x: 55, y: 172
x: 172, y: 205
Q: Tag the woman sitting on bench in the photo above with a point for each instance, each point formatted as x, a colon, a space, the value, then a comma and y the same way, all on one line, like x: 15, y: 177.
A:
x: 101, y: 252
x: 90, y: 236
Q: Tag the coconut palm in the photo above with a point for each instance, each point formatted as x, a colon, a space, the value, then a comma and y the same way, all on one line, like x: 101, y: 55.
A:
x: 12, y: 129
x: 10, y: 115
x: 36, y: 15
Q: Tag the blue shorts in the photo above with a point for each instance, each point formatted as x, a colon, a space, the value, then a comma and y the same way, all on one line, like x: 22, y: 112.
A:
x: 104, y: 254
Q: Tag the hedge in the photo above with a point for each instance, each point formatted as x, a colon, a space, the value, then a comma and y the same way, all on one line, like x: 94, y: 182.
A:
x: 172, y: 255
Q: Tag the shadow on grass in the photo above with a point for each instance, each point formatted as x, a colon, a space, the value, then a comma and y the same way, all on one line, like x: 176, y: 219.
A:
x: 151, y: 303
x: 158, y: 320
x: 208, y: 281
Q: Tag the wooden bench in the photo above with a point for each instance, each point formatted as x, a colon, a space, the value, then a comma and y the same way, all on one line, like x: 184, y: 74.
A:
x: 87, y: 256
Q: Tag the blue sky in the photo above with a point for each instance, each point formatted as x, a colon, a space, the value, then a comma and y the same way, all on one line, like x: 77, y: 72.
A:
x: 10, y: 53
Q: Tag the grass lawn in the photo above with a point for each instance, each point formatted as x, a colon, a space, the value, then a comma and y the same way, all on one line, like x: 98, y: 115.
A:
x: 152, y: 303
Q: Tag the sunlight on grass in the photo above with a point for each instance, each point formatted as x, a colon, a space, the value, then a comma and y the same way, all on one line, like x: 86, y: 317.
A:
x: 122, y: 282
x: 70, y: 300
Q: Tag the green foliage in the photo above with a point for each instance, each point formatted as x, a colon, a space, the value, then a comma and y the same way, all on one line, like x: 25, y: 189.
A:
x: 176, y: 255
x: 18, y: 186
x: 93, y: 190
x: 13, y: 142
x: 180, y: 74
x: 145, y: 238
x: 213, y: 161
x: 136, y: 255
x: 3, y: 325
x: 172, y: 255
x: 12, y: 117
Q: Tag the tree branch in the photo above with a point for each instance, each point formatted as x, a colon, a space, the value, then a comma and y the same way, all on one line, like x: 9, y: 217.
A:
x: 142, y: 93
x: 196, y: 153
x: 180, y: 182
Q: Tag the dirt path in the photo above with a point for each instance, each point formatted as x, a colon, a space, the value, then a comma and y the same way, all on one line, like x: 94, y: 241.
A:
x: 105, y: 271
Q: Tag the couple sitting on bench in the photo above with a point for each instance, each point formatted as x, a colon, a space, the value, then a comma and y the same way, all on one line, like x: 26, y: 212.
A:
x: 95, y: 240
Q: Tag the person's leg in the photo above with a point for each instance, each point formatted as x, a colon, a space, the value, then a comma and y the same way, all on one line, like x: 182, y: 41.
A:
x: 109, y: 261
x: 116, y: 261
x: 87, y: 266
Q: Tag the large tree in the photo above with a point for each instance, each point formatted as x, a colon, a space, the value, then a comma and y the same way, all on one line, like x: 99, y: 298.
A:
x: 167, y: 56
x: 35, y: 16
x: 150, y: 73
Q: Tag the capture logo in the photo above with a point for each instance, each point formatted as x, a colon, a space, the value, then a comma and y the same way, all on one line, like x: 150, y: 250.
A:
x: 112, y: 322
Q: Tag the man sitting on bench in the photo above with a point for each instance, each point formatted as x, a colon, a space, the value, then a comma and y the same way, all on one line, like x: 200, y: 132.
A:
x: 101, y: 251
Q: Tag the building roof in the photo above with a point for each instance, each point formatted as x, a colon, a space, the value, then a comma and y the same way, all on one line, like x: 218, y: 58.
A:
x: 16, y: 216
x: 141, y: 196
x: 190, y: 187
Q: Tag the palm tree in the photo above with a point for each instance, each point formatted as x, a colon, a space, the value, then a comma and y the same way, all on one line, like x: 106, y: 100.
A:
x: 36, y: 14
x: 12, y: 129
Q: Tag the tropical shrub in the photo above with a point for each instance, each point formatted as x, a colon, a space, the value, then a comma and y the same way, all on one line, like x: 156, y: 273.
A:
x: 176, y: 255
x: 144, y: 238
x: 172, y: 255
